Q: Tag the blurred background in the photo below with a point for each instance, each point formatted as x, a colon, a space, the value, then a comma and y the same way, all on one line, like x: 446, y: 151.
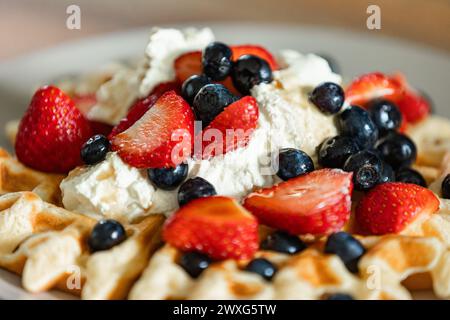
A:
x: 27, y: 25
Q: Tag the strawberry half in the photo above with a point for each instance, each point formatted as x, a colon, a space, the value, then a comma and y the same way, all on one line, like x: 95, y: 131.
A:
x: 235, y: 125
x: 255, y: 50
x: 414, y: 107
x: 141, y: 106
x: 52, y: 132
x: 317, y: 203
x: 216, y: 226
x: 372, y: 86
x: 390, y: 207
x: 162, y: 137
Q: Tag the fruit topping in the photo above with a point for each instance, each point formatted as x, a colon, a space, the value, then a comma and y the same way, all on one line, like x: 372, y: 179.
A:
x: 367, y: 169
x: 283, y: 242
x: 328, y: 97
x: 263, y: 267
x: 194, y: 263
x: 249, y: 71
x: 408, y: 175
x: 195, y: 188
x: 356, y: 122
x: 385, y: 114
x: 162, y: 137
x: 333, y: 152
x: 390, y: 207
x: 192, y: 86
x: 52, y: 124
x: 293, y: 163
x: 316, y: 203
x: 168, y: 178
x: 216, y: 226
x: 216, y: 61
x: 414, y: 107
x: 346, y: 247
x: 95, y: 149
x: 232, y: 128
x: 105, y: 235
x: 446, y: 187
x: 397, y: 149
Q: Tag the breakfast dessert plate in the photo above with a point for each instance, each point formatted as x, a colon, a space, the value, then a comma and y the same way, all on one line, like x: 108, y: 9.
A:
x: 209, y: 167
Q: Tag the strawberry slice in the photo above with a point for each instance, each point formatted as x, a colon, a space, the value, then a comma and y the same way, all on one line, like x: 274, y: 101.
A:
x: 235, y: 125
x: 52, y: 132
x: 216, y: 226
x: 390, y: 207
x: 372, y: 86
x: 162, y: 137
x: 190, y: 63
x: 141, y: 106
x: 414, y: 107
x: 317, y: 203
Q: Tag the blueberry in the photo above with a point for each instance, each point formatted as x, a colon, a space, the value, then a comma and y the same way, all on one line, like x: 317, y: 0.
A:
x: 328, y: 97
x: 388, y: 173
x: 340, y: 296
x: 248, y: 71
x: 168, y: 178
x: 210, y: 101
x: 105, y: 235
x: 408, y: 175
x: 95, y: 149
x: 346, y: 247
x: 194, y: 263
x: 195, y: 188
x: 397, y: 149
x: 216, y: 61
x: 192, y: 85
x: 333, y: 152
x: 367, y: 168
x: 356, y: 122
x: 446, y: 187
x: 263, y: 267
x: 293, y: 163
x: 283, y: 242
x: 385, y: 115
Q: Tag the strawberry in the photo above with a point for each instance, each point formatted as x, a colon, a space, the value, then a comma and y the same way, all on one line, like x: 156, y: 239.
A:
x: 238, y: 119
x: 52, y: 132
x: 317, y: 203
x: 372, y: 86
x: 100, y: 128
x: 414, y: 107
x: 390, y: 207
x: 255, y: 50
x: 141, y: 106
x: 162, y: 137
x: 84, y: 103
x: 216, y: 226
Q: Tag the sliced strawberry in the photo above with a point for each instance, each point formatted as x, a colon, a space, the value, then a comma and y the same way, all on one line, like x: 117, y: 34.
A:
x: 414, y: 107
x: 317, y: 203
x: 255, y: 50
x: 372, y: 86
x: 100, y: 128
x: 141, y: 106
x: 162, y: 137
x: 52, y: 132
x: 216, y: 226
x: 235, y: 125
x: 390, y: 207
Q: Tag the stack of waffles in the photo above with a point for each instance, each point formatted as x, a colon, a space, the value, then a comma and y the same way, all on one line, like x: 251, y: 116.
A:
x: 47, y: 245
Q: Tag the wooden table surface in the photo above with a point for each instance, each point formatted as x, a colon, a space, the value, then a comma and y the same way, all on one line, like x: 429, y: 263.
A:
x: 27, y: 25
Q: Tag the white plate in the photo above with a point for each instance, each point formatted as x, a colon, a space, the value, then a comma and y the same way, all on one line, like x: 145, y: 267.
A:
x: 427, y: 68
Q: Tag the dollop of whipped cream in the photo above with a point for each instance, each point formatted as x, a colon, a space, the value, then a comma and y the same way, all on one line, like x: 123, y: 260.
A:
x: 115, y: 97
x: 287, y: 119
x: 110, y: 188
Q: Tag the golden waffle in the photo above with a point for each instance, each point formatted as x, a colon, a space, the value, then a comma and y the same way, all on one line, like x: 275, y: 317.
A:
x: 47, y: 246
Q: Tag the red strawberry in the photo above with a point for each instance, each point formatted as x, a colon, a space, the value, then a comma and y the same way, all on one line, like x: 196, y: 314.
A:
x: 141, y: 106
x: 100, y: 128
x: 255, y: 50
x: 85, y: 103
x: 317, y: 203
x: 52, y: 132
x: 235, y: 124
x: 413, y: 107
x: 216, y: 226
x: 371, y: 86
x: 390, y: 207
x: 162, y: 137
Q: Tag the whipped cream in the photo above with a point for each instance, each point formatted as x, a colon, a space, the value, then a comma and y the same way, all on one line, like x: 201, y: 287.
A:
x: 115, y: 97
x: 110, y: 188
x: 287, y: 119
